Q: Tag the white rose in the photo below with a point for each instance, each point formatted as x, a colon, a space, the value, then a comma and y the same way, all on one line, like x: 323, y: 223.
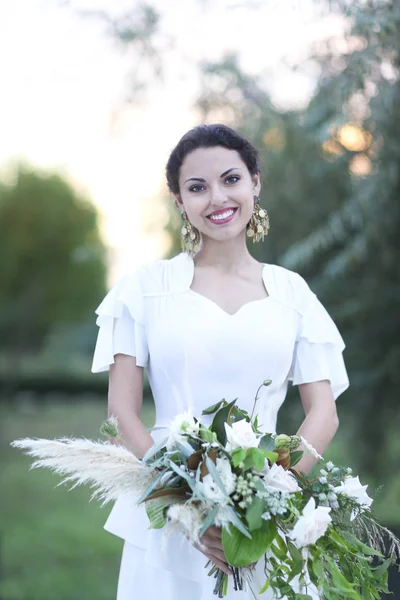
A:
x: 277, y: 478
x: 240, y: 435
x: 311, y: 525
x: 352, y: 487
x: 182, y: 425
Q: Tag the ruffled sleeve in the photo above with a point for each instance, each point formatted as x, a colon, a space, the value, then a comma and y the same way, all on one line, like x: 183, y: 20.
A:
x: 121, y: 328
x: 318, y: 352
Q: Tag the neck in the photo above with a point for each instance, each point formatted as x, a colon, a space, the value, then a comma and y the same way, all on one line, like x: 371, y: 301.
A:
x: 226, y: 255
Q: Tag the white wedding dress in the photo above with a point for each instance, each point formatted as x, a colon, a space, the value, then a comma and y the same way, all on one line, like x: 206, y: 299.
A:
x: 196, y: 354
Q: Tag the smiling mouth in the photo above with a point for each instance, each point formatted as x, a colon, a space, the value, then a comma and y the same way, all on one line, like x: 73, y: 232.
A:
x: 223, y: 216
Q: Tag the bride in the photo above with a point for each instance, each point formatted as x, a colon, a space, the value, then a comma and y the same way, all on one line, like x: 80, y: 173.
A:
x: 208, y: 324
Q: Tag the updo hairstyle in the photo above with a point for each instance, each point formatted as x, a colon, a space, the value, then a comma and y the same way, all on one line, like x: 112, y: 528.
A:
x: 208, y: 136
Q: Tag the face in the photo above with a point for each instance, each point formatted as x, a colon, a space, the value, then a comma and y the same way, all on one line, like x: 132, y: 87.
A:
x: 216, y: 192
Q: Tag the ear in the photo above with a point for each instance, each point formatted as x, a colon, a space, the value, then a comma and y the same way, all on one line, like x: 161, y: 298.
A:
x: 178, y: 202
x: 257, y: 183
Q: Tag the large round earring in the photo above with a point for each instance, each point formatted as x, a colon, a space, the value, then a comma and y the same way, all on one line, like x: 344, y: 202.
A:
x: 258, y: 226
x: 190, y: 236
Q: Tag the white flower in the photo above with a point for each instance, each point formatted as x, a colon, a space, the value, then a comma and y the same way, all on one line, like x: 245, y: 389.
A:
x: 279, y: 479
x: 352, y: 487
x: 182, y: 425
x: 211, y: 489
x: 225, y: 472
x: 240, y: 435
x: 311, y: 525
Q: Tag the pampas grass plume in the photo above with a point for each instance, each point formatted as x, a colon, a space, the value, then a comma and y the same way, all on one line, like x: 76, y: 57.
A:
x: 110, y: 469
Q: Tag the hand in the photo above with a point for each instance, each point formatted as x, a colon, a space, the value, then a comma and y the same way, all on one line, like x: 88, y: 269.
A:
x: 212, y: 548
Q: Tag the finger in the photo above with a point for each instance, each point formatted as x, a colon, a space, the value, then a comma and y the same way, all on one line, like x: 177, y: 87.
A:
x: 214, y: 532
x: 217, y: 555
x: 220, y: 564
x: 213, y: 544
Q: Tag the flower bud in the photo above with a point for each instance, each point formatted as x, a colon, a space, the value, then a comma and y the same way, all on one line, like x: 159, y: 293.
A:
x: 323, y: 480
x: 329, y: 465
x: 110, y: 428
x: 267, y: 382
x: 282, y: 441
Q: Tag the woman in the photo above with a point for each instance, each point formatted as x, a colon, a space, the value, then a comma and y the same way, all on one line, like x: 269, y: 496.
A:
x: 208, y: 324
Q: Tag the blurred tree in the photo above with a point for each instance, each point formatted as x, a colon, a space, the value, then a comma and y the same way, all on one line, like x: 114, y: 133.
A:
x: 331, y: 183
x: 52, y: 260
x: 355, y: 252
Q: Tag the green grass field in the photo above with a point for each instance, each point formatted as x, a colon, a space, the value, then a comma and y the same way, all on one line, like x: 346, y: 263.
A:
x: 52, y: 542
x: 53, y: 546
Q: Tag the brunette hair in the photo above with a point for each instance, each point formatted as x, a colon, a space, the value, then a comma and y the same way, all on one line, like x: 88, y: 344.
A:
x: 207, y: 136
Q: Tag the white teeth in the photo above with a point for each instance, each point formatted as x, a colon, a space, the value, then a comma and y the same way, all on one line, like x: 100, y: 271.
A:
x: 221, y: 216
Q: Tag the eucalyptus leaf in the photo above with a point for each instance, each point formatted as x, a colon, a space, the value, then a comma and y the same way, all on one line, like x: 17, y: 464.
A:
x: 267, y: 442
x: 151, y: 487
x: 215, y: 475
x: 182, y: 474
x: 209, y: 520
x: 234, y: 519
x: 156, y: 447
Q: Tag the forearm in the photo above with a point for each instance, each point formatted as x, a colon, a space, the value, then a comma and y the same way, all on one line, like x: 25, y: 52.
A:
x: 318, y: 428
x: 133, y: 432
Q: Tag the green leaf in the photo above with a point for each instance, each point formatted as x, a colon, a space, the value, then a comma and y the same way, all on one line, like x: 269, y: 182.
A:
x: 341, y: 583
x: 218, y: 424
x: 265, y: 587
x: 156, y: 511
x: 241, y: 551
x: 353, y: 540
x: 267, y: 442
x: 238, y: 455
x: 271, y: 456
x: 213, y: 408
x: 382, y: 569
x: 295, y: 457
x: 297, y: 560
x: 258, y: 459
x: 317, y: 567
x: 254, y: 513
x: 207, y: 435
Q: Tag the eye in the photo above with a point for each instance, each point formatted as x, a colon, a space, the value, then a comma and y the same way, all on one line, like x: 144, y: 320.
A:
x: 231, y: 177
x: 195, y: 188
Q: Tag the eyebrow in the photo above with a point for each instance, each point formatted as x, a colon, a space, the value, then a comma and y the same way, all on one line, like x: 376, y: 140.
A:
x: 203, y: 180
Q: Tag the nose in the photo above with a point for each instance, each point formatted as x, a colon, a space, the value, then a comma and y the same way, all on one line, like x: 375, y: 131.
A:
x: 218, y: 196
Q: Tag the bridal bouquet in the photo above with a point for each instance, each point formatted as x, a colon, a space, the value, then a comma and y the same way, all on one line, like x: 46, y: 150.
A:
x: 315, y: 531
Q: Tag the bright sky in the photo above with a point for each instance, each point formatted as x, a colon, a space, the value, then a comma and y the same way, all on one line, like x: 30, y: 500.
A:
x: 64, y: 88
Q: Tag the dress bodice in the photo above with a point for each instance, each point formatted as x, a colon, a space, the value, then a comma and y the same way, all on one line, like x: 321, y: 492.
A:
x: 196, y: 353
